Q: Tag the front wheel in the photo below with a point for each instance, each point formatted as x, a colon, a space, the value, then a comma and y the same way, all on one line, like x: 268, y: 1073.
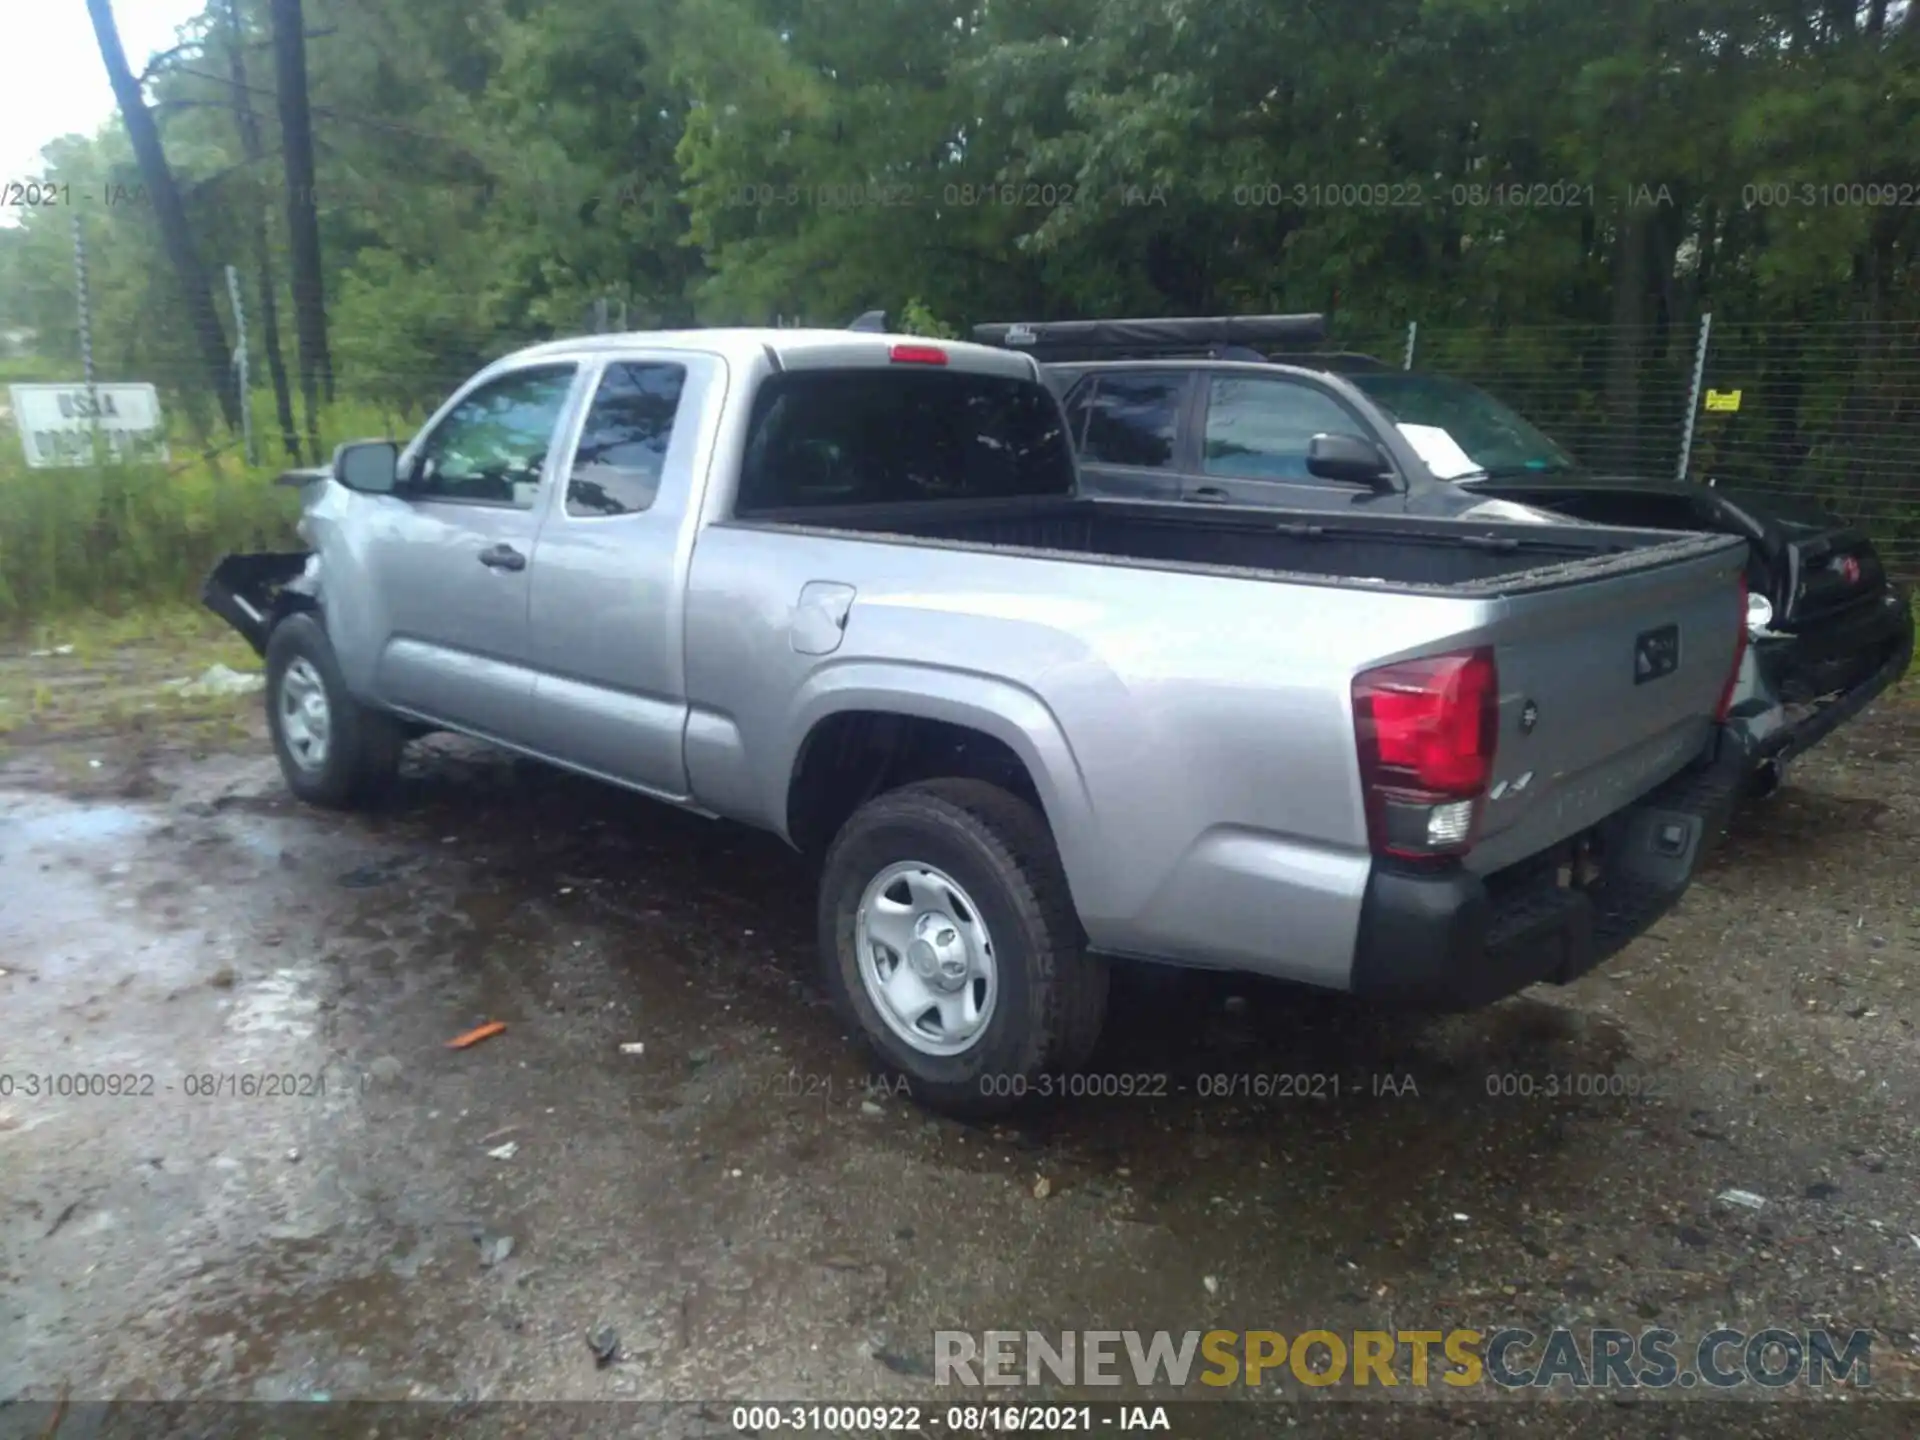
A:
x: 950, y: 942
x: 333, y: 750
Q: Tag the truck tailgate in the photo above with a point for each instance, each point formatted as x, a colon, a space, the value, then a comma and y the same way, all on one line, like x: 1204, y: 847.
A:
x: 1607, y: 687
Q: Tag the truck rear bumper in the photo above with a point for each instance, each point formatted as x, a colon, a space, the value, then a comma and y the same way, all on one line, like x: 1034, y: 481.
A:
x: 1454, y: 940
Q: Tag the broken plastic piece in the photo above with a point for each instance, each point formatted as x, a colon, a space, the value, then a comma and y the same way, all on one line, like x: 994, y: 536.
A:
x: 476, y: 1035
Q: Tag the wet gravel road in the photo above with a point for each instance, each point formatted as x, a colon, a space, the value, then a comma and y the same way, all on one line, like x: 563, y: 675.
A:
x: 305, y: 1193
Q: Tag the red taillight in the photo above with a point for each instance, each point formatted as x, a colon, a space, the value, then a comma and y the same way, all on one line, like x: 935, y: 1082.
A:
x: 1739, y: 655
x: 917, y: 355
x: 1426, y: 730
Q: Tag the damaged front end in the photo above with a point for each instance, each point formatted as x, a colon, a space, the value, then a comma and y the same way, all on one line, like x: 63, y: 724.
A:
x: 251, y: 592
x: 1830, y: 630
x: 1798, y: 687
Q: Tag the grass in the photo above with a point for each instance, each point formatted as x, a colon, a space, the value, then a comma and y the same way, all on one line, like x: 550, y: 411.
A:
x: 108, y: 538
x: 93, y: 676
x: 119, y: 537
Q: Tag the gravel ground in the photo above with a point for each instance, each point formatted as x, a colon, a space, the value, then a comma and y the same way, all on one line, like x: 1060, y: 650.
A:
x: 753, y: 1219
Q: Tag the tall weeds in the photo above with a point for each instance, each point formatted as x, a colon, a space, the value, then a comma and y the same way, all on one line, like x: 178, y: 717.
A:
x: 115, y: 537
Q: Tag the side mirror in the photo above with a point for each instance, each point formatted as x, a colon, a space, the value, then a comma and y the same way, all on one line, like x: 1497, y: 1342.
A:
x: 370, y: 466
x: 1348, y: 458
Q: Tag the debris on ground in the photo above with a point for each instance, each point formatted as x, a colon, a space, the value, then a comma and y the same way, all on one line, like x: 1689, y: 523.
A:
x: 1744, y: 1198
x: 634, y: 1047
x: 219, y: 680
x: 1042, y: 1188
x: 494, y: 1249
x: 365, y: 877
x: 604, y: 1341
x: 47, y: 654
x: 506, y: 1151
x: 385, y: 1069
x: 476, y: 1035
x: 61, y: 1219
x: 911, y: 1366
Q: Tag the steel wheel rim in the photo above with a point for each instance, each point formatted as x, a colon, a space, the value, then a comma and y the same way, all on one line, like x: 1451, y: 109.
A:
x: 306, y: 720
x: 926, y: 958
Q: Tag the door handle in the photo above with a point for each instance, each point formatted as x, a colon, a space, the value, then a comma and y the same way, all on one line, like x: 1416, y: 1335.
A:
x: 1209, y: 494
x: 503, y: 557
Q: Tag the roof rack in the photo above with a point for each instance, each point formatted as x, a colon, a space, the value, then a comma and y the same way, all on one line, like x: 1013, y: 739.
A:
x: 1051, y: 341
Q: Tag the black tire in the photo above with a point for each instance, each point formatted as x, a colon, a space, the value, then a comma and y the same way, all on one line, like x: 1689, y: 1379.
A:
x: 1052, y: 994
x: 362, y: 754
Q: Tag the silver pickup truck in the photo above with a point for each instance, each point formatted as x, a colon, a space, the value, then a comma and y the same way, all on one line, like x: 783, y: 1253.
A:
x: 841, y: 586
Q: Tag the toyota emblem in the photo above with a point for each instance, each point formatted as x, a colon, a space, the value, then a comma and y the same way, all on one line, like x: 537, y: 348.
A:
x: 1850, y: 570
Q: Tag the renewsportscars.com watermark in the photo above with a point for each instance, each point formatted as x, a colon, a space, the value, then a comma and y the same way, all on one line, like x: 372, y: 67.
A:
x: 1652, y: 1359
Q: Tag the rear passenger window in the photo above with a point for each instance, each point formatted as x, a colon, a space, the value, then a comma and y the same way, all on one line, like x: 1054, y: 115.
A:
x: 1133, y: 420
x: 864, y: 437
x: 623, y: 445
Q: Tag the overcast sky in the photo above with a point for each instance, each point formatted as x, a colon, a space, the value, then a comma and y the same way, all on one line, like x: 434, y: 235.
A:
x: 55, y: 83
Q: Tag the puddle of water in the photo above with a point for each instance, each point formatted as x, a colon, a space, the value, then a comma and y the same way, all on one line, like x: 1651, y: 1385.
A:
x: 285, y: 1320
x: 37, y: 821
x: 273, y: 1009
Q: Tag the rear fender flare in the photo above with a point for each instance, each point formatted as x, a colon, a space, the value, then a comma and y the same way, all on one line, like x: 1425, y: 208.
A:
x: 1009, y: 713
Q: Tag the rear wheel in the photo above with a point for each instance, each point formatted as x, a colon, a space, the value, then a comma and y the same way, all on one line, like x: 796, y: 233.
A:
x: 950, y: 942
x: 333, y: 750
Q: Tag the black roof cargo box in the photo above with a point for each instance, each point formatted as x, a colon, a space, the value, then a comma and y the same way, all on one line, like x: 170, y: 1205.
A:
x: 1050, y: 341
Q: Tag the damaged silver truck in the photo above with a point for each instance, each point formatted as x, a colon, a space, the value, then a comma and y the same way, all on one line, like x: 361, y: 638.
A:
x: 844, y: 587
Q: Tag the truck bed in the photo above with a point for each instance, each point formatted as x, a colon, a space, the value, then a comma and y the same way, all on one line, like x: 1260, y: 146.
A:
x: 1397, y: 552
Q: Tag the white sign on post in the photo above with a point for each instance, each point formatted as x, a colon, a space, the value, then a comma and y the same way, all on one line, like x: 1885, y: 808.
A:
x: 57, y: 423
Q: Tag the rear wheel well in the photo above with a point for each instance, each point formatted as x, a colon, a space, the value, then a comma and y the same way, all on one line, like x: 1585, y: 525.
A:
x: 849, y: 758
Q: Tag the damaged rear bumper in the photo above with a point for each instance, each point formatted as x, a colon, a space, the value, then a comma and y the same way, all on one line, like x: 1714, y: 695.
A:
x: 250, y: 592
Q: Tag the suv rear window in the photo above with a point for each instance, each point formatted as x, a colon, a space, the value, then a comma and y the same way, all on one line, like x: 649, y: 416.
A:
x: 868, y: 437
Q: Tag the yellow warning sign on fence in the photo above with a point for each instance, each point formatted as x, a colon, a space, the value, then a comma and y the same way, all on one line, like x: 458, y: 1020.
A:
x: 1723, y: 400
